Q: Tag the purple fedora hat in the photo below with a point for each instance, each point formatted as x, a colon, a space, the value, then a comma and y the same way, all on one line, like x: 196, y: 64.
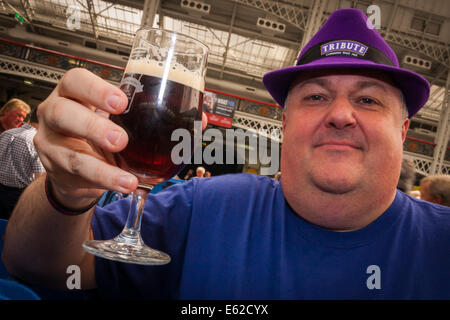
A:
x: 345, y: 41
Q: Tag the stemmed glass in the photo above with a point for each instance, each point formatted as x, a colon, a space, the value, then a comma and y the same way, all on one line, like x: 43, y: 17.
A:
x: 164, y: 81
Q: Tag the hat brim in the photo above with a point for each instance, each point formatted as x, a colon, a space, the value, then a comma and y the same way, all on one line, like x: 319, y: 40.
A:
x: 415, y: 88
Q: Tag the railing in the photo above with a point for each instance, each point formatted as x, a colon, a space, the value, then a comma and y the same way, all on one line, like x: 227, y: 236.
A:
x: 422, y: 147
x: 58, y: 60
x: 55, y: 59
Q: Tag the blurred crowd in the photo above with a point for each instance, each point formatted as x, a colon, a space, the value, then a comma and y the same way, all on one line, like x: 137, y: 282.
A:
x: 200, y: 172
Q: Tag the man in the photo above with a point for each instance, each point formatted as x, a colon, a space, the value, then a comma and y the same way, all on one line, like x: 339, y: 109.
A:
x: 13, y: 113
x: 20, y: 164
x: 436, y: 189
x: 334, y: 228
x: 189, y: 174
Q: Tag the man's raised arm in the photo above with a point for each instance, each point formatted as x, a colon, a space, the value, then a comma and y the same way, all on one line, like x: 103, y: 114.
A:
x: 74, y: 141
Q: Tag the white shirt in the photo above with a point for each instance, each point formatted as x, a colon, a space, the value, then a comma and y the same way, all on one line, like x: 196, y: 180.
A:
x: 19, y: 160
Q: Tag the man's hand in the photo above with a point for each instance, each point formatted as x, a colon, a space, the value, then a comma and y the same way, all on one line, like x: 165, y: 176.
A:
x: 75, y: 142
x: 76, y: 139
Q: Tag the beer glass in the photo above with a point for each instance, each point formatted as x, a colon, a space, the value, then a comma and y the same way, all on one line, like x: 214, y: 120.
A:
x: 164, y: 81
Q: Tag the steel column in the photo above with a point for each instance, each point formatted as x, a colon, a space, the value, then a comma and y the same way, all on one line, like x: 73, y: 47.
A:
x: 443, y: 132
x: 149, y: 12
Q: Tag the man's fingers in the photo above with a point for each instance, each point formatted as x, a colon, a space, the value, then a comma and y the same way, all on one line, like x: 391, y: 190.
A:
x: 99, y: 173
x: 83, y: 86
x: 70, y: 118
x: 89, y: 168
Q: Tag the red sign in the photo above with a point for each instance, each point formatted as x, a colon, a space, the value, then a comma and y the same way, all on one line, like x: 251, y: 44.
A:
x: 219, y: 120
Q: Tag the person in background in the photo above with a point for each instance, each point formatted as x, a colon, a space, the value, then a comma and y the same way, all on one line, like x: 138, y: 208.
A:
x: 436, y: 189
x: 19, y: 163
x: 13, y: 113
x: 208, y: 102
x: 415, y: 194
x: 207, y: 174
x: 189, y: 174
x: 277, y: 176
x: 407, y: 176
x: 200, y: 172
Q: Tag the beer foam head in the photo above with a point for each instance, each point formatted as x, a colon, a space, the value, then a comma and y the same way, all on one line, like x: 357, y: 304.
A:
x: 177, y: 72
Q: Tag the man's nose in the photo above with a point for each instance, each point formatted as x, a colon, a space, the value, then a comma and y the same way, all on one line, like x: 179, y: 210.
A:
x: 341, y: 114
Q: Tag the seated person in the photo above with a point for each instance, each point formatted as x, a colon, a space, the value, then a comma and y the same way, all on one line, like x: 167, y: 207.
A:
x: 436, y: 189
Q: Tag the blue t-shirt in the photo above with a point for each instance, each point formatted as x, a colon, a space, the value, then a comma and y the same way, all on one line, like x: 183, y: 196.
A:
x: 235, y: 237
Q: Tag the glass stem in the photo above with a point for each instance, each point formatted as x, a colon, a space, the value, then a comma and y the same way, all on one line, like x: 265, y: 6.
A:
x: 131, y: 232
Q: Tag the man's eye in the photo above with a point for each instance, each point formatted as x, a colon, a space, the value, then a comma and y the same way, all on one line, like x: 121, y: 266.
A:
x: 368, y: 101
x: 315, y: 97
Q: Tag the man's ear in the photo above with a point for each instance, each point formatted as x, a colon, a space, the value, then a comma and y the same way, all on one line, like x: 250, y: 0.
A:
x: 405, y: 127
x: 438, y: 199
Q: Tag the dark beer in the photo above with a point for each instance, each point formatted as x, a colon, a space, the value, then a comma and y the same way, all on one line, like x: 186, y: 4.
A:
x: 156, y: 107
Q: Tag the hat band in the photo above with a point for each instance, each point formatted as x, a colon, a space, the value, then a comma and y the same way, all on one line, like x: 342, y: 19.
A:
x: 344, y: 48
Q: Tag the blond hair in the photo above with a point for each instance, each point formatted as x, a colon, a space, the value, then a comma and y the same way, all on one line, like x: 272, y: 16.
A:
x: 201, y: 169
x: 14, y: 104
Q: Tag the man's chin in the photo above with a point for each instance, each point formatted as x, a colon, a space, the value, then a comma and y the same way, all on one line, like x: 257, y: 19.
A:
x: 334, y: 185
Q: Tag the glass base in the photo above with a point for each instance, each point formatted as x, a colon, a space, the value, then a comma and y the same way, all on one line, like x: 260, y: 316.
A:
x: 136, y: 253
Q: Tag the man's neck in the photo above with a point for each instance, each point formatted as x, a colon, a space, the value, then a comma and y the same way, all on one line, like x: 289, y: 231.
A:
x: 340, y: 212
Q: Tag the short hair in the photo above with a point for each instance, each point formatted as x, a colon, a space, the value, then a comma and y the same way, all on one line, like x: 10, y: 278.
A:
x: 13, y: 104
x: 439, y: 185
x: 201, y: 169
x: 405, y: 111
x: 407, y: 176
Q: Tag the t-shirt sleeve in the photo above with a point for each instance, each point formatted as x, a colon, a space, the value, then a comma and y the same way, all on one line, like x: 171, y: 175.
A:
x: 165, y: 225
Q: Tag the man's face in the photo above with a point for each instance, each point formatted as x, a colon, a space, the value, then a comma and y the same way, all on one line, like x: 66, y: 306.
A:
x: 14, y: 118
x: 343, y: 132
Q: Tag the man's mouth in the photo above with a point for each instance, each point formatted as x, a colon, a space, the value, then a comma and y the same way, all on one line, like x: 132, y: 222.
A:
x: 338, y: 145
